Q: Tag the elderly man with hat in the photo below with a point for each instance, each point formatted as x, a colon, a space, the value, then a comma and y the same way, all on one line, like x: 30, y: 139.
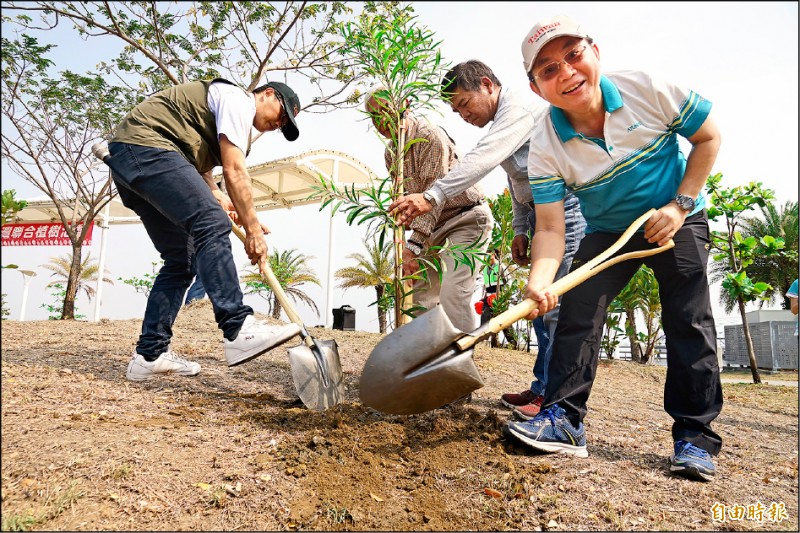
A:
x: 161, y: 158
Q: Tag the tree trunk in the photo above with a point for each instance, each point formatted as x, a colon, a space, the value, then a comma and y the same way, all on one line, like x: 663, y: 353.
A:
x: 68, y: 307
x: 276, y: 309
x: 751, y: 353
x: 633, y: 337
x: 381, y: 311
x: 652, y: 338
x: 401, y: 300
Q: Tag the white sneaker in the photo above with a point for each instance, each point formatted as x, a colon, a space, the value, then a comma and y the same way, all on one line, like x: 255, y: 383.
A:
x: 140, y: 369
x: 255, y: 338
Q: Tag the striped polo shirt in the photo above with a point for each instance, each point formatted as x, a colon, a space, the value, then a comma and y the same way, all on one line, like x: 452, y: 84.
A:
x: 637, y: 166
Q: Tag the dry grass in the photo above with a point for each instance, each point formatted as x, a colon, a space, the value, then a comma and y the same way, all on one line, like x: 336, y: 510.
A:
x: 83, y: 449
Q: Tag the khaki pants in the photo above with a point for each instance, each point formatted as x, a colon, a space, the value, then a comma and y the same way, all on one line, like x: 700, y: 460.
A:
x: 457, y: 286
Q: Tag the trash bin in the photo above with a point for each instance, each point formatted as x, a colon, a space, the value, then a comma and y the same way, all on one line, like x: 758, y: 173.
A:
x: 344, y: 318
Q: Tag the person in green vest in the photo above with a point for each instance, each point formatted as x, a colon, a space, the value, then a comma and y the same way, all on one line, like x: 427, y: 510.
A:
x: 161, y: 157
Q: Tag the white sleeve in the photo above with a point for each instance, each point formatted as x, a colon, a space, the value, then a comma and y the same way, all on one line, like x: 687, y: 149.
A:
x: 234, y: 110
x: 511, y: 127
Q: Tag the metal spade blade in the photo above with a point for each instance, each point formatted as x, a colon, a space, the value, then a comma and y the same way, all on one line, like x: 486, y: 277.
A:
x: 415, y: 368
x: 428, y: 362
x: 317, y: 374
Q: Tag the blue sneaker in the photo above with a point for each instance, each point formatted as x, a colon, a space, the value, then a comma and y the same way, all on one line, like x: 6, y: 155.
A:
x: 551, y: 431
x: 692, y: 462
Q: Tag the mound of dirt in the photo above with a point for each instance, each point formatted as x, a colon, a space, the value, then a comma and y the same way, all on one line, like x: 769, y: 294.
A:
x: 233, y: 449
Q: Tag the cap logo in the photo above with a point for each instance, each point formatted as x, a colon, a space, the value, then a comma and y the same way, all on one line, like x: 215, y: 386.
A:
x: 541, y: 31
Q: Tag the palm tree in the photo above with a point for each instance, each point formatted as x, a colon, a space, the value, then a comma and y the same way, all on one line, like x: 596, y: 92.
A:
x: 87, y: 276
x: 778, y: 270
x: 641, y: 293
x: 291, y: 271
x: 377, y: 271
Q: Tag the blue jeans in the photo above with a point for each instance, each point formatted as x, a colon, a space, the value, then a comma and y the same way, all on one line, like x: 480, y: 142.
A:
x: 574, y: 230
x: 542, y: 343
x: 191, y: 232
x: 196, y: 291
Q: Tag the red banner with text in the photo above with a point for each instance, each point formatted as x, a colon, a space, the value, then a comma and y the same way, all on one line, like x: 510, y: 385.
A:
x: 41, y: 234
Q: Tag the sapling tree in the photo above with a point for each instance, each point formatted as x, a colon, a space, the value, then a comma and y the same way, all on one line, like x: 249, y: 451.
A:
x: 144, y: 284
x: 403, y: 58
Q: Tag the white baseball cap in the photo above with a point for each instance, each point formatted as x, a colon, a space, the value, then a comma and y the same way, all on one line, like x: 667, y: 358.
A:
x: 545, y: 31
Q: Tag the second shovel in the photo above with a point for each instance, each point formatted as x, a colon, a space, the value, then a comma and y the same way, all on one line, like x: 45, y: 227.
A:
x: 316, y: 369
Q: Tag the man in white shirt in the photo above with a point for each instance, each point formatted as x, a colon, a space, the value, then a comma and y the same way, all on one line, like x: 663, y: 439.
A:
x: 161, y: 158
x: 476, y: 94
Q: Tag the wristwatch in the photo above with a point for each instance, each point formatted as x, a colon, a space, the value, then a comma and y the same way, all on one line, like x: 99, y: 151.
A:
x: 684, y: 202
x: 428, y: 196
x: 415, y: 247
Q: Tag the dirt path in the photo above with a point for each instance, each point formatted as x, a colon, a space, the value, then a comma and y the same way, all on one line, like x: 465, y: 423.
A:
x: 84, y: 449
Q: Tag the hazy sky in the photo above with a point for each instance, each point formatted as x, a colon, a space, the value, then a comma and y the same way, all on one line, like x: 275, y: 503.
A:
x: 740, y: 55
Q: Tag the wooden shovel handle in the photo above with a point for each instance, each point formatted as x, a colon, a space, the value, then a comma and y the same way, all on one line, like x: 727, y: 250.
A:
x: 574, y: 278
x: 275, y: 285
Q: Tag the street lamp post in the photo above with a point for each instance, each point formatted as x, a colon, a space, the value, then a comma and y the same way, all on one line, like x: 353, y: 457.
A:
x: 27, y: 275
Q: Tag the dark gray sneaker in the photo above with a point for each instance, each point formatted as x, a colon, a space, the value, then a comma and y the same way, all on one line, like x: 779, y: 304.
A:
x: 692, y: 462
x: 551, y: 431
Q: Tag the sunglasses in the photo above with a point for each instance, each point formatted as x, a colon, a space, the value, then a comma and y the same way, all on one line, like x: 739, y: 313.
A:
x: 551, y: 70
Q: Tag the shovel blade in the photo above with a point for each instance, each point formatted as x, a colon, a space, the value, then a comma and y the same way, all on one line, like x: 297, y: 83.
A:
x: 417, y: 367
x: 315, y: 391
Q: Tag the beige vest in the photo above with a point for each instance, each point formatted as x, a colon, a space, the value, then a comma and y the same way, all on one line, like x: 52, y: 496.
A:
x: 178, y: 119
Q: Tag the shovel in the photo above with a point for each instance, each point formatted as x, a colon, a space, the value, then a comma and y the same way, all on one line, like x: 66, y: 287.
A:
x: 428, y: 362
x: 316, y: 369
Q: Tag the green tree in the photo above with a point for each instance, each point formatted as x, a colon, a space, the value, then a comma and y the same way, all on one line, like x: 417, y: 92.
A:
x: 159, y: 44
x: 611, y: 332
x: 292, y: 271
x: 375, y: 270
x: 49, y: 124
x: 11, y: 206
x: 88, y: 273
x: 781, y: 269
x: 403, y: 57
x: 56, y: 308
x: 511, y: 279
x: 144, y: 284
x: 640, y: 295
x: 777, y: 270
x: 400, y: 55
x: 737, y: 252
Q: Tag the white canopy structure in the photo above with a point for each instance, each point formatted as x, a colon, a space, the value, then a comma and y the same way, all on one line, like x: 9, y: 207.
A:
x: 288, y: 182
x: 42, y: 209
x: 279, y: 184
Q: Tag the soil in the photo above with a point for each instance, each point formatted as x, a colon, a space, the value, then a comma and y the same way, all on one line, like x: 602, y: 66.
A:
x: 234, y: 449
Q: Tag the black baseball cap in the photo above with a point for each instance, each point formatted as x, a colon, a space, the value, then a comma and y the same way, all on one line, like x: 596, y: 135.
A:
x: 291, y: 105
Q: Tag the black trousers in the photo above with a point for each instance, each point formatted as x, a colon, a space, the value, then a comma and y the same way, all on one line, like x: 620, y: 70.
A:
x: 692, y: 392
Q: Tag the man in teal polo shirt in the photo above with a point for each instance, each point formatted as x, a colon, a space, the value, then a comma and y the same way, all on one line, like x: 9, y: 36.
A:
x: 612, y: 140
